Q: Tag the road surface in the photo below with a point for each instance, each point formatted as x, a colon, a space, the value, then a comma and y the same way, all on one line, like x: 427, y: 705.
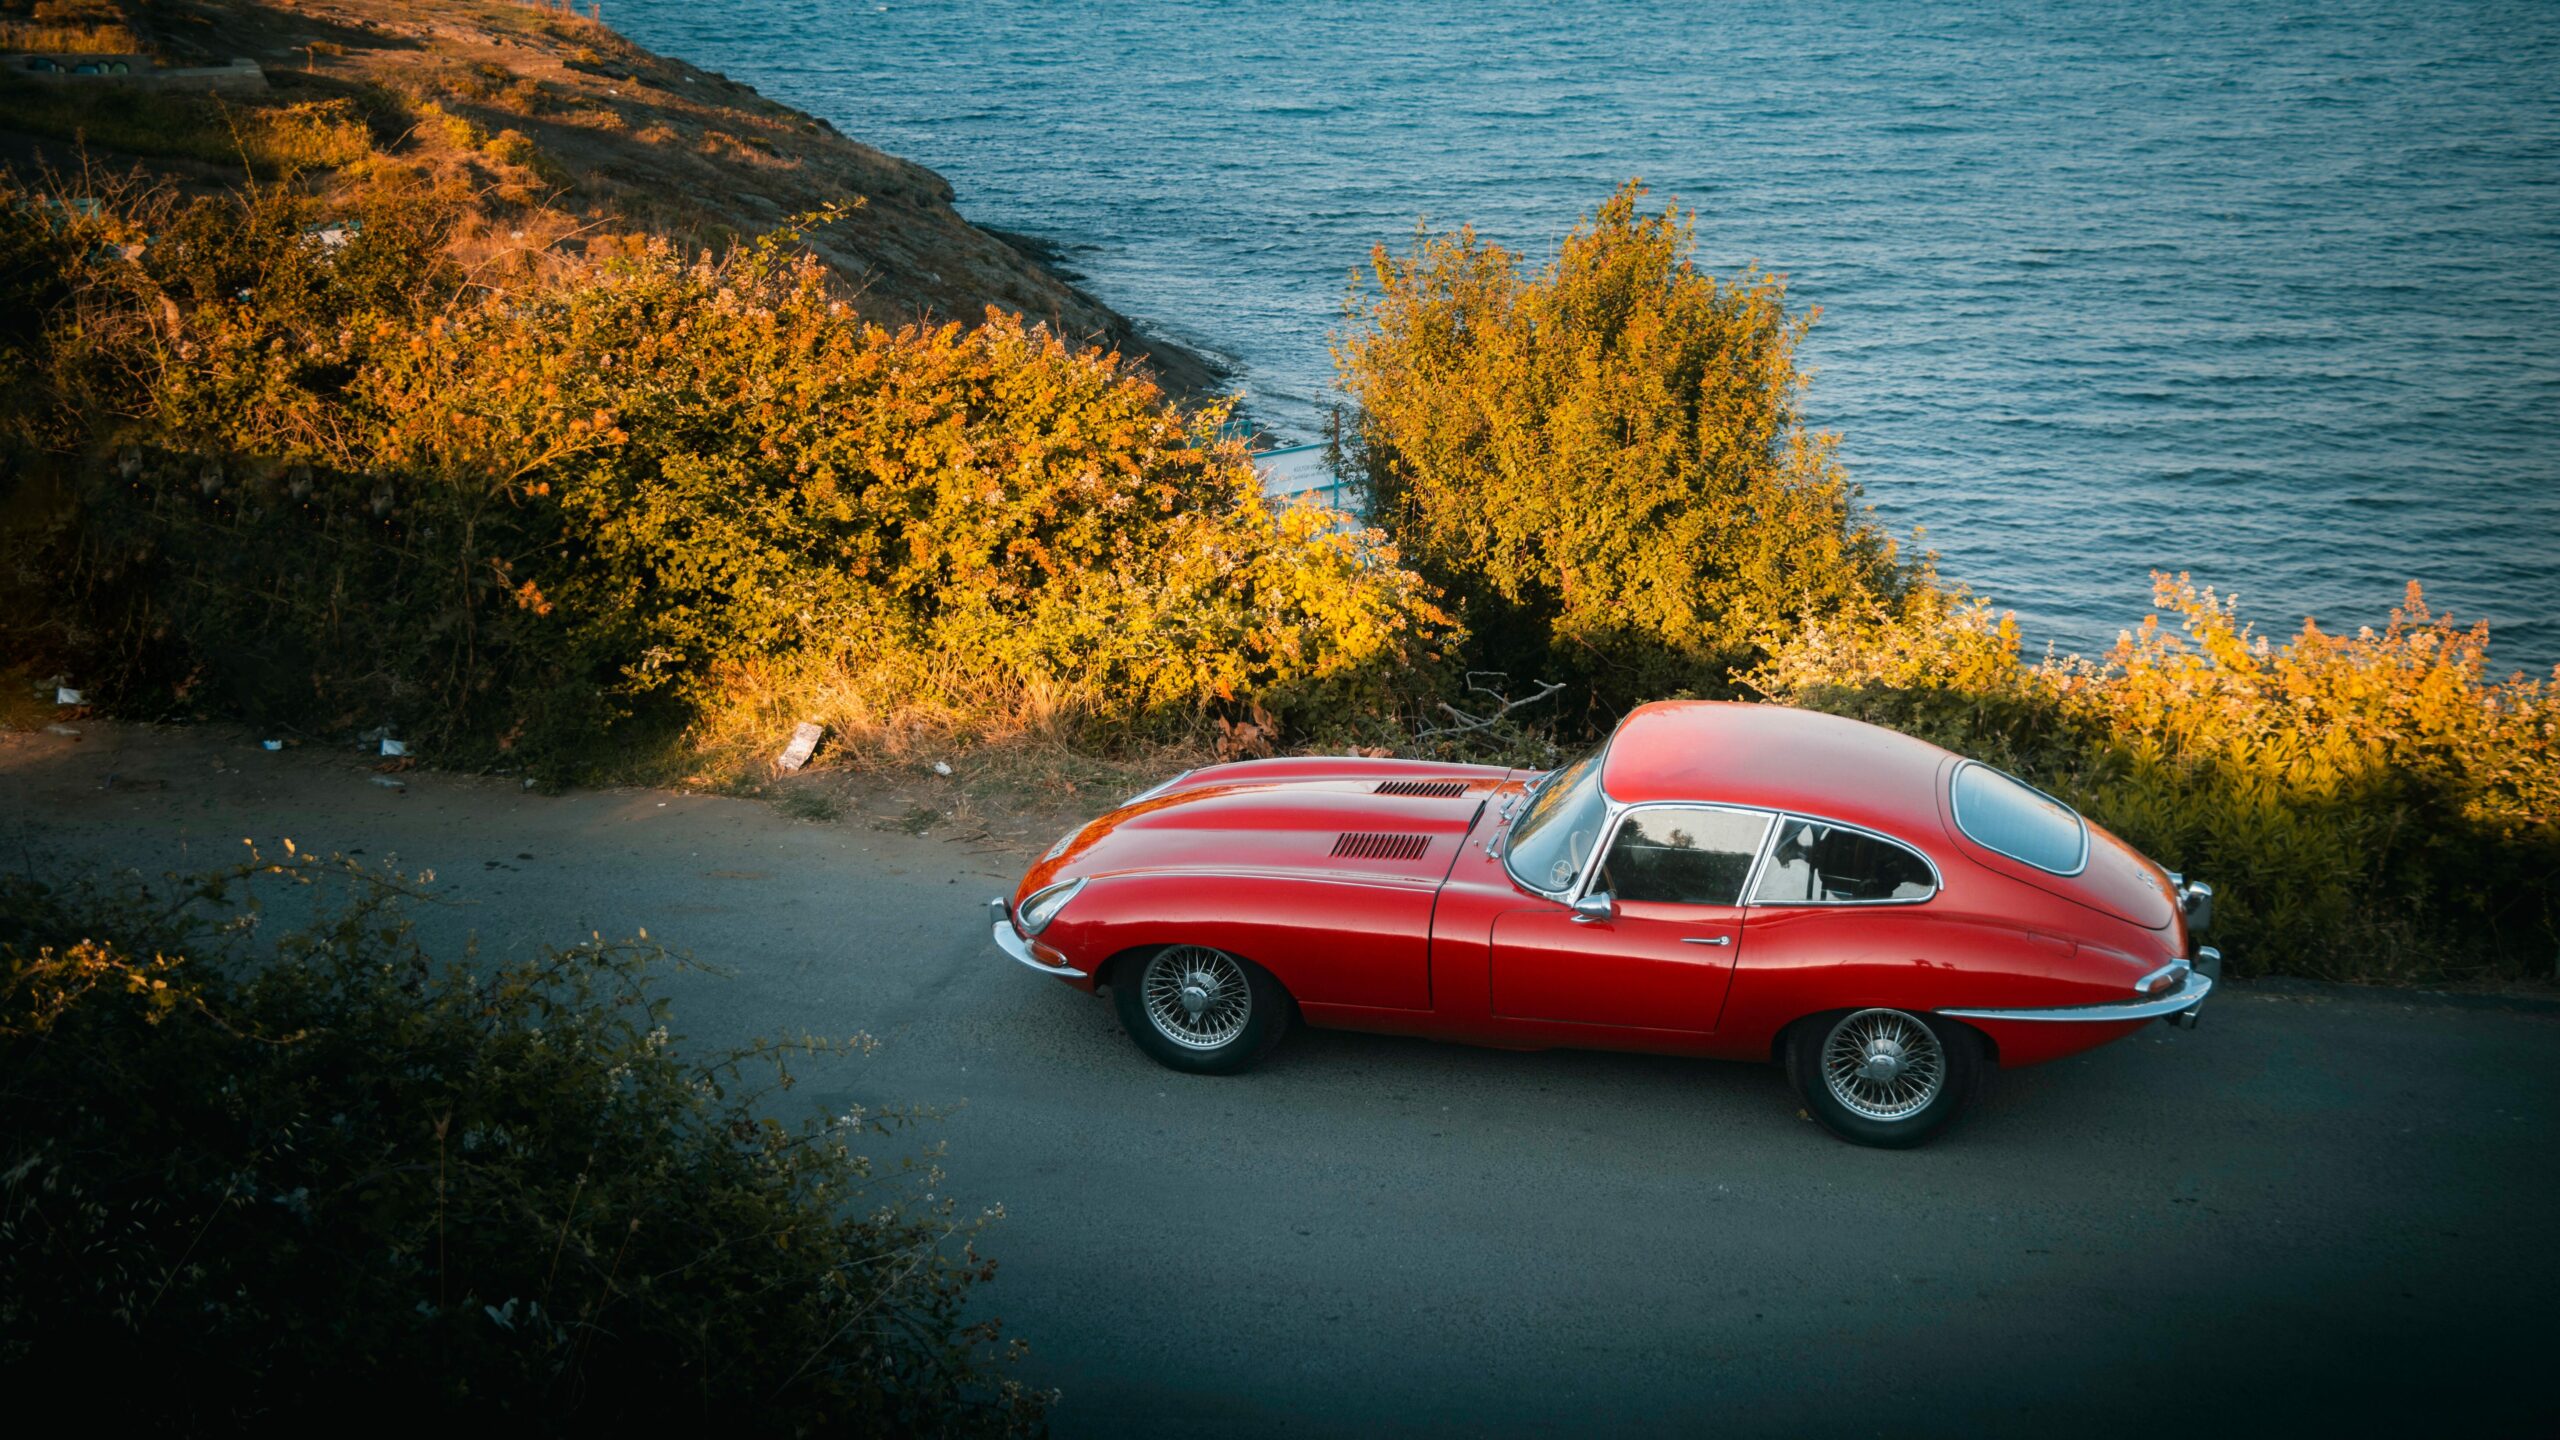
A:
x: 2319, y: 1209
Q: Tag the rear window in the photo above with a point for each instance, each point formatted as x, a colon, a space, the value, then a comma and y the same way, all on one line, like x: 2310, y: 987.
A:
x: 2007, y: 815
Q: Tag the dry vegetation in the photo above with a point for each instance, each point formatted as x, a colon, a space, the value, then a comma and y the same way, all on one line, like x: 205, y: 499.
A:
x: 439, y: 390
x: 1602, y: 460
x: 429, y: 438
x: 315, y: 1169
x: 598, y: 145
x: 66, y: 27
x: 2377, y: 806
x: 332, y: 485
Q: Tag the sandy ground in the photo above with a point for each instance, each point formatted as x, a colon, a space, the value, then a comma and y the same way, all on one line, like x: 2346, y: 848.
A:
x: 2320, y: 1209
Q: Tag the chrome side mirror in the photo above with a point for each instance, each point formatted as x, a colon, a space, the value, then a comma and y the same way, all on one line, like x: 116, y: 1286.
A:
x: 1598, y: 905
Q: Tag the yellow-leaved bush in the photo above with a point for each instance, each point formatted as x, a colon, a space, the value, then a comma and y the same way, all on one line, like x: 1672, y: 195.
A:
x: 649, y: 485
x: 753, y: 476
x: 341, y: 484
x: 2371, y: 806
x: 1602, y: 459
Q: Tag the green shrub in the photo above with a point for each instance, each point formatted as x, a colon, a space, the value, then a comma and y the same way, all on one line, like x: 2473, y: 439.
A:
x: 288, y: 1174
x: 2368, y: 807
x: 1603, y: 462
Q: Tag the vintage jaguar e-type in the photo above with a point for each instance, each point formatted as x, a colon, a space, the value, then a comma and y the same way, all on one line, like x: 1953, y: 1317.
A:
x: 1736, y: 881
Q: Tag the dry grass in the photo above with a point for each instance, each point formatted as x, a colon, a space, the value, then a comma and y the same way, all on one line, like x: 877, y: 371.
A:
x: 632, y: 129
x: 17, y: 36
x: 905, y: 716
x: 268, y: 139
x: 1022, y: 765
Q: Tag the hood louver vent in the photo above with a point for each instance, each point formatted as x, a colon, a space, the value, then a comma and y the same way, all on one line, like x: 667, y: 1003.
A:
x: 1359, y: 845
x: 1422, y: 787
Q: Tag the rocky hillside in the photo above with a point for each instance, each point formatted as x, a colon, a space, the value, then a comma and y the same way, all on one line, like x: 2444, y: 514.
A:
x: 569, y: 137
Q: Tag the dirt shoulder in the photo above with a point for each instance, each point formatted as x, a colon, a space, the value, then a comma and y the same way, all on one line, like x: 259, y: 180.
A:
x: 205, y: 788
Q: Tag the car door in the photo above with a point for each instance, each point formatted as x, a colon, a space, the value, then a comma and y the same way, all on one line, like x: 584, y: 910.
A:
x: 1663, y: 957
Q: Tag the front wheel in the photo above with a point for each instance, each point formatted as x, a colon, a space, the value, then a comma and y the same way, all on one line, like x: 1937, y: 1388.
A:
x: 1201, y: 1010
x: 1888, y: 1078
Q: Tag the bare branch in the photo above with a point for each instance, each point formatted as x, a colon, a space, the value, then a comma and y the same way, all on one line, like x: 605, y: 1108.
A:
x: 1467, y: 723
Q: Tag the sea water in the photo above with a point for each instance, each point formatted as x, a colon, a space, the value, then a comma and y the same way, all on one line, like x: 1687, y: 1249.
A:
x: 2269, y: 293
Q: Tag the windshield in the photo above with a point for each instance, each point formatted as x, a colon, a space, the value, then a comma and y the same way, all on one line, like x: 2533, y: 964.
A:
x: 1555, y: 837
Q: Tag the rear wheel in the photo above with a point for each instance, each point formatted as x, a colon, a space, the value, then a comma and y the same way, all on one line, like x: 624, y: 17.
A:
x: 1200, y: 1010
x: 1889, y: 1078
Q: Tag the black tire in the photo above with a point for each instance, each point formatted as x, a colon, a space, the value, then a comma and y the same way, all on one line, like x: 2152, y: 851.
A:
x: 1213, y: 1046
x: 1872, y: 1121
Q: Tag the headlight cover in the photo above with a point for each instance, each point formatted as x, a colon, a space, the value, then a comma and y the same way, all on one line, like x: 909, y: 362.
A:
x: 1044, y: 905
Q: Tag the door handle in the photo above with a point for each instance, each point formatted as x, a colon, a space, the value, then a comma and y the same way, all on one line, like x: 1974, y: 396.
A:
x: 1706, y: 939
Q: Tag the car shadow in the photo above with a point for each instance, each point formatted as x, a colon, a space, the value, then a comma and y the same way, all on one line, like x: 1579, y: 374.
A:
x: 2035, y: 1107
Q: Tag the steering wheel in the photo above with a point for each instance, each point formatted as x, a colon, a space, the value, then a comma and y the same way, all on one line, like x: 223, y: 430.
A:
x: 1578, y: 849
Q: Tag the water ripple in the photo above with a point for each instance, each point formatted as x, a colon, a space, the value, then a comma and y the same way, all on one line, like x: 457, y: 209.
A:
x: 2266, y: 292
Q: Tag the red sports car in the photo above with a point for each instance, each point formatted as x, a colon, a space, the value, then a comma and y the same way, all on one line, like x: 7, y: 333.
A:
x: 1736, y: 881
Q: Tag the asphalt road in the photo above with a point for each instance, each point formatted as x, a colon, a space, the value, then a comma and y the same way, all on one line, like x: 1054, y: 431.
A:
x: 2318, y: 1210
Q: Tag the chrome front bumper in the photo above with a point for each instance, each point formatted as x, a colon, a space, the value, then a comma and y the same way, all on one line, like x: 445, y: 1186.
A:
x: 1010, y: 941
x: 2179, y: 1007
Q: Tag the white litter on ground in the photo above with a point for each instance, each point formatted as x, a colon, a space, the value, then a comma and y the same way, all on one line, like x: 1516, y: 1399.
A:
x: 804, y: 743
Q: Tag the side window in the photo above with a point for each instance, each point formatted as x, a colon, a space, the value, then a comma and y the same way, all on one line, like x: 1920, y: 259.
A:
x: 1818, y: 864
x: 1684, y: 856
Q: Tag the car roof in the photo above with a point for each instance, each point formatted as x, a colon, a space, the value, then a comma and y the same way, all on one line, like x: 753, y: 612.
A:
x: 1777, y: 758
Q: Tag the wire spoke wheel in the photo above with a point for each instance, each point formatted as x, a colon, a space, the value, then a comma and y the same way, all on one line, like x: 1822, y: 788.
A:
x: 1883, y: 1065
x: 1196, y: 997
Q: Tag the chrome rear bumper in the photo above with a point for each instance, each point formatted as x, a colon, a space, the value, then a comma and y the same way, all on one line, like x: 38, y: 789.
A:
x: 2180, y: 1006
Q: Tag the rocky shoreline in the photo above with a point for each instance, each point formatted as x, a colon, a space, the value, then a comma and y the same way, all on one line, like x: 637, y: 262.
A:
x: 624, y: 142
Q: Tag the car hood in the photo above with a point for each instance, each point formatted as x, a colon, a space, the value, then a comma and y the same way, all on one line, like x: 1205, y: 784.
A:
x: 1370, y: 819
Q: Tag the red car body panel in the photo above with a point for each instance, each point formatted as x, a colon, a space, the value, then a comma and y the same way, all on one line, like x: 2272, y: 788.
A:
x: 1392, y: 910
